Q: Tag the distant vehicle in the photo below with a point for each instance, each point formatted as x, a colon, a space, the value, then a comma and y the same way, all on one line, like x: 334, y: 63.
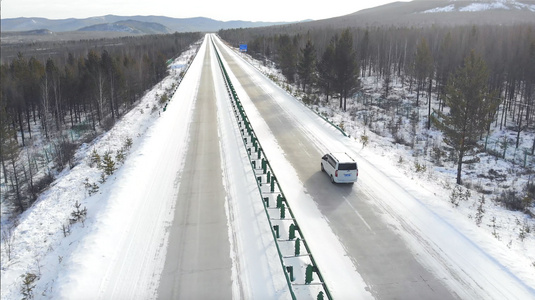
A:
x: 340, y: 167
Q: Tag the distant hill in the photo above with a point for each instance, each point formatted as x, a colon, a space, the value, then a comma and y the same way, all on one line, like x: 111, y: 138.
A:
x: 438, y: 12
x: 199, y: 24
x: 130, y: 26
x: 35, y: 32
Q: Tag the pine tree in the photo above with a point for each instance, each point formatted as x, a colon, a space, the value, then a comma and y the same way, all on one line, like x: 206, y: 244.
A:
x: 364, y: 51
x: 108, y: 164
x: 120, y: 156
x: 288, y: 56
x: 423, y: 66
x: 53, y: 75
x: 326, y: 69
x: 444, y: 65
x: 346, y: 68
x: 78, y: 215
x: 307, y: 65
x: 9, y: 154
x: 28, y: 284
x: 6, y: 133
x: 95, y: 159
x: 21, y: 77
x: 95, y: 72
x: 472, y: 108
x: 530, y: 86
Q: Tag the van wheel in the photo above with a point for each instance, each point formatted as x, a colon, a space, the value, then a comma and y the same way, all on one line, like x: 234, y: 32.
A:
x: 332, y: 179
x: 322, y: 169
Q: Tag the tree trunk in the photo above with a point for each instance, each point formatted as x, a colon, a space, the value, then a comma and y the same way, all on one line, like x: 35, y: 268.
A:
x: 71, y: 115
x: 112, y: 90
x: 44, y: 105
x: 100, y: 98
x: 34, y: 108
x: 21, y: 126
x: 504, y: 108
x: 460, y: 166
x: 30, y: 170
x: 57, y: 94
x: 91, y: 115
x: 28, y: 121
x: 16, y: 186
x: 460, y: 162
x: 4, y: 169
x: 418, y: 88
x: 429, y: 104
x: 519, y: 129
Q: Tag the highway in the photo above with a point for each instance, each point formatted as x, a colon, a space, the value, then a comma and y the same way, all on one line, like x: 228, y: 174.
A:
x: 380, y: 255
x: 198, y: 264
x: 184, y: 218
x: 373, y: 239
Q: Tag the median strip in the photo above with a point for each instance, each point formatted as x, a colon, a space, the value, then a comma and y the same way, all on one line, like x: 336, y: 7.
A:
x: 295, y: 256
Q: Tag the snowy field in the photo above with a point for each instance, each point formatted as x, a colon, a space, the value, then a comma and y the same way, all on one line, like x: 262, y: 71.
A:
x: 66, y: 264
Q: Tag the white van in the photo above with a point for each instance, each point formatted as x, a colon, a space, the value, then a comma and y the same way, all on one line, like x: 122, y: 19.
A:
x: 340, y: 167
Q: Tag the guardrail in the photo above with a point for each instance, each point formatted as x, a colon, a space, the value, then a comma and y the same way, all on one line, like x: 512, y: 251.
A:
x: 285, y: 229
x: 331, y: 123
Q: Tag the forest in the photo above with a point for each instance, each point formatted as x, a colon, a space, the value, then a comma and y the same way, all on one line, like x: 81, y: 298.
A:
x: 470, y: 80
x: 422, y: 57
x: 66, y: 94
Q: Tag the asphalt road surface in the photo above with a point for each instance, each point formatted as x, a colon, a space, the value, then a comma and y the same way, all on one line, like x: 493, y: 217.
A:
x: 381, y: 256
x: 198, y: 264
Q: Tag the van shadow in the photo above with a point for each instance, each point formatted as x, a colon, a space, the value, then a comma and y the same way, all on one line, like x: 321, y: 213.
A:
x: 328, y: 196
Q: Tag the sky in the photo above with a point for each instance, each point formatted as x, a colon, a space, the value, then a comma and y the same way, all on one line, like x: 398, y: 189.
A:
x: 272, y: 11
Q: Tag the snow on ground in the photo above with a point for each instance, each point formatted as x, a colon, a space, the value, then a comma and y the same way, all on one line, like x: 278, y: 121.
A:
x: 252, y: 248
x: 340, y: 275
x: 39, y: 246
x: 448, y: 8
x: 67, y: 266
x: 123, y: 252
x: 119, y: 250
x: 484, y: 6
x: 495, y: 244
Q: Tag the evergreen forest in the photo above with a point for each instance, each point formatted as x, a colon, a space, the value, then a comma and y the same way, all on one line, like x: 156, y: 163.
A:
x: 471, y: 80
x: 66, y: 93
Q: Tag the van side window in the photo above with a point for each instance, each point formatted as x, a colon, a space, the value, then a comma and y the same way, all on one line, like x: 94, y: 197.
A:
x: 331, y: 161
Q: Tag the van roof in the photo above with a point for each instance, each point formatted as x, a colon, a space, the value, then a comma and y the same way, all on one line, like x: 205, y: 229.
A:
x: 342, y: 157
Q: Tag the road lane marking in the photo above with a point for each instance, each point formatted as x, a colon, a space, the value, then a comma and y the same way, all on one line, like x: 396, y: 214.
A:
x: 358, y: 214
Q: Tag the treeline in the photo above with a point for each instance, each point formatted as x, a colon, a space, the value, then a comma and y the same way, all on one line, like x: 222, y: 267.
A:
x: 81, y: 91
x: 423, y: 58
x: 483, y: 75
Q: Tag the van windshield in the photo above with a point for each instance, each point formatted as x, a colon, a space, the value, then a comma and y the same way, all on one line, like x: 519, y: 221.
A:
x: 347, y: 166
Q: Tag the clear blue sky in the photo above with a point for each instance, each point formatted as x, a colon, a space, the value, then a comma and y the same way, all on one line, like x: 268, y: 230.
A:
x: 250, y: 10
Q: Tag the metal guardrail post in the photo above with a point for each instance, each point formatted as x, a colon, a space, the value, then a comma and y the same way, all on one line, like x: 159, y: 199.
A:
x: 291, y: 234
